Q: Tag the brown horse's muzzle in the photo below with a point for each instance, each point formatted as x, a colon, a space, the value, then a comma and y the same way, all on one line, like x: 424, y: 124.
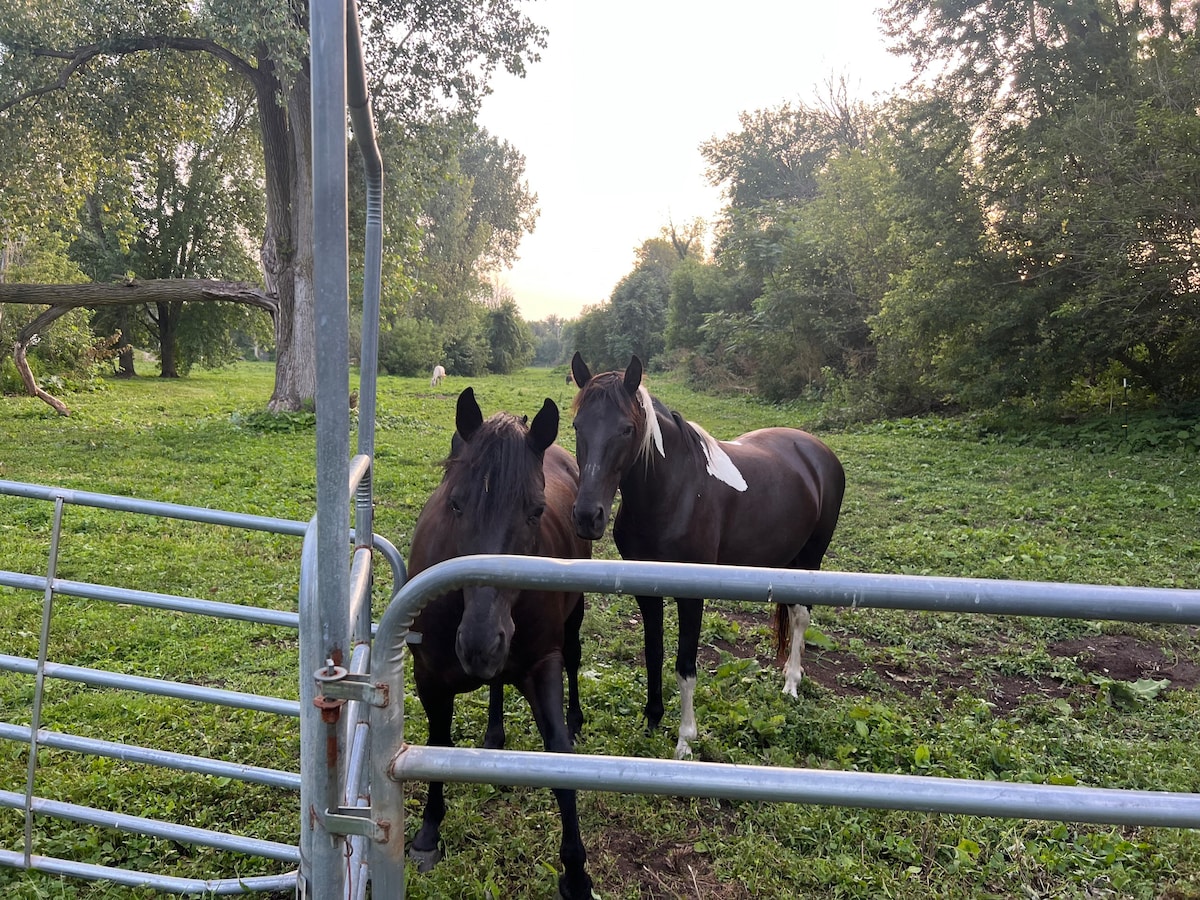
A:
x: 485, y: 632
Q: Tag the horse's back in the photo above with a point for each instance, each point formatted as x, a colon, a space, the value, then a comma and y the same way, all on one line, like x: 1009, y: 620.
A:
x: 769, y: 448
x: 794, y: 489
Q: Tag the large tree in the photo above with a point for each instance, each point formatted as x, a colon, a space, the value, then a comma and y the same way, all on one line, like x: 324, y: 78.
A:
x: 55, y: 66
x: 1084, y: 127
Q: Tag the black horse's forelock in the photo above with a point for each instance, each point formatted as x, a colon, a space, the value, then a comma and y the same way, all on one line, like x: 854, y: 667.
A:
x: 498, y: 455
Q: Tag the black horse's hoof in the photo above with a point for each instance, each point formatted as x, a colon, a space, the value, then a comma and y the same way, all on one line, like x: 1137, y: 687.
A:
x: 425, y: 859
x: 582, y: 889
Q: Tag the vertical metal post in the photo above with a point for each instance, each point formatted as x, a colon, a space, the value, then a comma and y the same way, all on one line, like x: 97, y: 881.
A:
x: 40, y: 678
x: 359, y: 101
x: 323, y: 736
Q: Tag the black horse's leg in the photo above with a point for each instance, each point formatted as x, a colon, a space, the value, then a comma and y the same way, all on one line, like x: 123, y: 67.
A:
x: 690, y: 614
x: 544, y: 690
x: 493, y: 738
x: 573, y: 657
x: 424, y: 848
x: 652, y: 625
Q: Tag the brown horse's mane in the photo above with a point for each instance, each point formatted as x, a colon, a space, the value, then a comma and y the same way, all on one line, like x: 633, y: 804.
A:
x: 496, y: 454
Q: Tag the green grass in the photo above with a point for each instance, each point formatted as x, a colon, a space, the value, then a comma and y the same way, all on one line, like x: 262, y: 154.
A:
x: 888, y: 691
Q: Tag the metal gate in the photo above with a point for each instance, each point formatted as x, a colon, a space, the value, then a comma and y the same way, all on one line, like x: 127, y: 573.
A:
x: 42, y: 669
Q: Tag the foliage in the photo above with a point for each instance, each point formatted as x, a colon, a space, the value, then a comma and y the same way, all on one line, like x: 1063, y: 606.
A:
x: 409, y: 347
x: 1018, y: 219
x: 510, y: 340
x: 550, y: 348
x: 635, y: 320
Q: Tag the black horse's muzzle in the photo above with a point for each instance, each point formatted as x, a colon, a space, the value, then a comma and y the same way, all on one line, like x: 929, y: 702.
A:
x: 484, y: 634
x: 589, y: 520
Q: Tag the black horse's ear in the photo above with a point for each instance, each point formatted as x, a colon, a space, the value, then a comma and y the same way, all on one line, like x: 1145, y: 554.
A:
x: 633, y: 375
x: 467, y: 417
x: 579, y: 370
x: 544, y: 429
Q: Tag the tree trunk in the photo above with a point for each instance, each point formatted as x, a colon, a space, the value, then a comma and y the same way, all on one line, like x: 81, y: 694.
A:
x: 19, y: 349
x: 125, y: 362
x: 168, y: 338
x: 287, y: 241
x: 133, y: 292
x: 125, y: 359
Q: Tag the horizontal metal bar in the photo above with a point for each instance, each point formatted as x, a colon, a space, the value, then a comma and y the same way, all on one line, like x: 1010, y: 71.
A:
x: 165, y: 883
x: 172, y: 831
x: 154, y: 508
x: 152, y: 600
x: 360, y: 465
x: 662, y: 777
x: 131, y: 753
x: 158, y: 686
x: 827, y: 588
x: 191, y: 514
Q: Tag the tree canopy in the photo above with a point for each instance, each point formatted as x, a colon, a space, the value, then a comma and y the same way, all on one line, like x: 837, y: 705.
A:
x: 87, y: 82
x: 1019, y: 222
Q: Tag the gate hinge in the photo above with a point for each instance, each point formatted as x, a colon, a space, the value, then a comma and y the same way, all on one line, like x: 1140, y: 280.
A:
x: 338, y: 684
x: 356, y: 820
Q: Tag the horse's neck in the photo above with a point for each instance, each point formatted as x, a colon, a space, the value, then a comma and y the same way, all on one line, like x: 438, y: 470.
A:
x: 657, y: 478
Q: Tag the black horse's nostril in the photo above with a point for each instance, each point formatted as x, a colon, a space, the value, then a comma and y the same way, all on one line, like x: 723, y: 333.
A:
x: 589, y: 522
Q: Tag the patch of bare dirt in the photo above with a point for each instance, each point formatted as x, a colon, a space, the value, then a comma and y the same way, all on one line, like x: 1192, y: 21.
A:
x: 662, y: 870
x: 1125, y: 658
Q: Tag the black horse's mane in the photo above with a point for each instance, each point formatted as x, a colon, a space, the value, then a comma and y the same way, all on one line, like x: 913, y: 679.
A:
x: 496, y: 454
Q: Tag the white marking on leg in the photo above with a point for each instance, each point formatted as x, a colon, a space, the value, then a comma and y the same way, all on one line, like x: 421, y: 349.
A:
x: 799, y: 617
x: 687, y: 716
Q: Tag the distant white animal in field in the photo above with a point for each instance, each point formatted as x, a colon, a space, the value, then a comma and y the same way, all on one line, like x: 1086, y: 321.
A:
x: 438, y: 374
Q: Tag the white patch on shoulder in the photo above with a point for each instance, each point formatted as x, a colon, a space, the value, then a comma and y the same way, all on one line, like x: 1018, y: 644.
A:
x: 719, y: 465
x: 653, y: 432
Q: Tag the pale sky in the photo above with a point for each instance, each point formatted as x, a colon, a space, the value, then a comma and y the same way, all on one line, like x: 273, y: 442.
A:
x: 611, y: 119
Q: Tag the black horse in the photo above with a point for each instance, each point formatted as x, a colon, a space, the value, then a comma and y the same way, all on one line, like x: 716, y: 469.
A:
x: 508, y: 488
x: 769, y: 498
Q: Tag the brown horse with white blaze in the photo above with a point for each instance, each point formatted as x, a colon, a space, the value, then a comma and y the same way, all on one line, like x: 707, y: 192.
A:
x: 771, y: 497
x: 507, y: 489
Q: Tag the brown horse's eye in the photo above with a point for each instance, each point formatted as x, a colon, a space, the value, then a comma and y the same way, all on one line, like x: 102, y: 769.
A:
x: 536, y: 517
x: 627, y: 431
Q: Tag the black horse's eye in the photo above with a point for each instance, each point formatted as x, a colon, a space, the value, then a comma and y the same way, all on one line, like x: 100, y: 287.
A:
x: 627, y: 431
x: 536, y: 516
x: 455, y: 507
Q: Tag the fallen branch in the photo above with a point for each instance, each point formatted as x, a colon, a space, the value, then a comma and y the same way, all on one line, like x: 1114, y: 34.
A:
x: 62, y: 298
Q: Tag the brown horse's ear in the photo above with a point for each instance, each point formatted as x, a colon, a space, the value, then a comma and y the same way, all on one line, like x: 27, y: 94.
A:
x: 544, y: 429
x: 467, y: 417
x: 633, y: 375
x: 579, y: 370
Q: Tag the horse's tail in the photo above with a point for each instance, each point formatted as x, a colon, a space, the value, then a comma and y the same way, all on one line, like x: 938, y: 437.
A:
x: 783, y: 633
